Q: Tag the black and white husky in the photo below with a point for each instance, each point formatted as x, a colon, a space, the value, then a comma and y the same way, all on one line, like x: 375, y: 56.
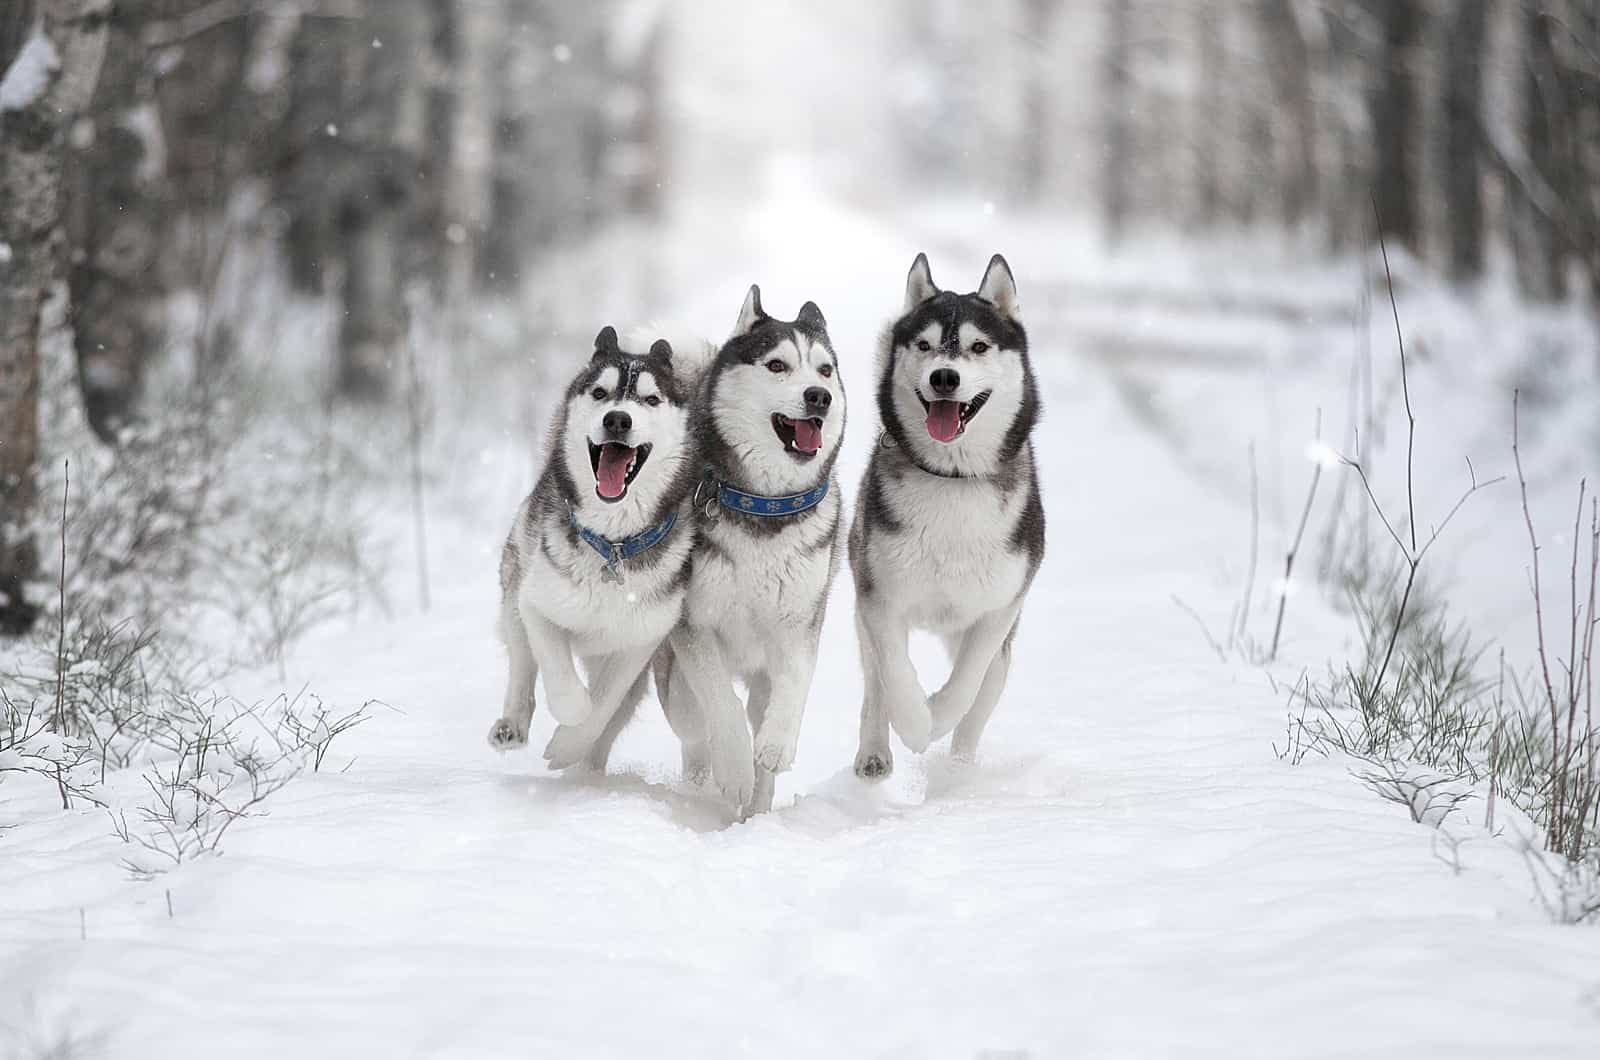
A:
x: 768, y: 422
x: 597, y: 562
x: 949, y: 528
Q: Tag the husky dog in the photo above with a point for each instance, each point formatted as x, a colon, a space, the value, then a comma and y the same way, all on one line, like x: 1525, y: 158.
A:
x: 597, y: 562
x: 949, y: 528
x: 768, y: 422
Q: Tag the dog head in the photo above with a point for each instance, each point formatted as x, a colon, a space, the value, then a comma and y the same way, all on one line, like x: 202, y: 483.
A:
x: 955, y: 387
x: 624, y: 439
x: 775, y: 400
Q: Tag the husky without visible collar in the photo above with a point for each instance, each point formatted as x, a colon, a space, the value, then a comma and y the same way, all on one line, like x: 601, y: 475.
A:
x: 768, y: 422
x: 597, y: 561
x: 949, y: 528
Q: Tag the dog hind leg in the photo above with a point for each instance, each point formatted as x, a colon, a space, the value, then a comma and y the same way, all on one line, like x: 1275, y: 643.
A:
x: 600, y: 753
x: 964, y: 744
x: 979, y: 647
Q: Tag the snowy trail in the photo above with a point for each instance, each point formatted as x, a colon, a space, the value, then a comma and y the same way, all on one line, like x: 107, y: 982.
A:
x: 1128, y: 871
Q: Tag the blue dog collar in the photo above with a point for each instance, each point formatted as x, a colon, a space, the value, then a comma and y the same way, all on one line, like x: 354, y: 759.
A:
x: 617, y: 552
x: 771, y: 507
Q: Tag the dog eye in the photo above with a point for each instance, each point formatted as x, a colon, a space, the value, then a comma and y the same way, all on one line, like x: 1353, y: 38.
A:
x: 980, y: 347
x: 598, y: 393
x: 924, y: 345
x: 776, y: 366
x: 826, y: 371
x: 652, y: 401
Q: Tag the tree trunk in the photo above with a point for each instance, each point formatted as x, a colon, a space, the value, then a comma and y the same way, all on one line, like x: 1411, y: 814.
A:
x: 1116, y: 113
x: 73, y: 32
x: 1038, y: 21
x: 1289, y: 68
x: 1207, y: 123
x: 1463, y: 143
x: 380, y: 197
x: 1393, y: 108
x: 116, y: 218
x: 1546, y: 122
x: 438, y: 216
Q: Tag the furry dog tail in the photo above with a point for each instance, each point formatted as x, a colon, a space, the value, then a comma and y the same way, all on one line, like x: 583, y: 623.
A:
x: 691, y: 354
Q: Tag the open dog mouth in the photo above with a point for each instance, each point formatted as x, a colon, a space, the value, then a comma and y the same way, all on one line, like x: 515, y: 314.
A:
x: 803, y: 438
x: 948, y: 419
x: 615, y: 467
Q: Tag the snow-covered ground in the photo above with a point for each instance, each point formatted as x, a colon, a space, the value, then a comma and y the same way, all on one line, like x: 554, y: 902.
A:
x: 1129, y: 870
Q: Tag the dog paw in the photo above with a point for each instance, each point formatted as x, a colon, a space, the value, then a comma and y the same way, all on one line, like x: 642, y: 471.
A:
x: 874, y: 765
x: 734, y: 770
x: 913, y: 723
x: 505, y: 736
x: 775, y: 749
x: 946, y: 709
x: 696, y: 764
x: 570, y: 708
x: 567, y: 746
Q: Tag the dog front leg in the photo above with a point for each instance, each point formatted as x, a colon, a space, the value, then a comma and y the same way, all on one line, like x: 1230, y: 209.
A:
x: 611, y: 677
x: 789, y: 668
x: 697, y: 656
x: 874, y: 760
x: 511, y: 728
x: 964, y: 744
x: 979, y: 646
x: 552, y: 649
x: 887, y: 637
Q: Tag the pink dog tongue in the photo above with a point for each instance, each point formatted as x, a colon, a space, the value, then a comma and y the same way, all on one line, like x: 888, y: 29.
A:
x: 944, y: 420
x: 611, y: 477
x: 807, y: 436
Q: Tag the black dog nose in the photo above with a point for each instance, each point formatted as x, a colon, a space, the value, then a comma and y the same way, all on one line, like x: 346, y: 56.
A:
x: 945, y: 380
x: 818, y: 398
x: 617, y: 422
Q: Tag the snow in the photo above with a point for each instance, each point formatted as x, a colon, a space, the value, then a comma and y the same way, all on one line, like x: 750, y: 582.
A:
x: 30, y: 73
x: 1129, y: 870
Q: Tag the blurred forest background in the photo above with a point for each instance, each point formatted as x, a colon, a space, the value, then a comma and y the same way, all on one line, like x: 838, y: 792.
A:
x: 182, y: 181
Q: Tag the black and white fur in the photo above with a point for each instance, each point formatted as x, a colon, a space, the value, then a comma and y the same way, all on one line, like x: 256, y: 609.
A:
x: 759, y: 587
x: 555, y: 602
x: 948, y: 535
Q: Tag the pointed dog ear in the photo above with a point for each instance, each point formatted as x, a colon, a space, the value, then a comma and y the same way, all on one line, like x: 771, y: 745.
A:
x: 606, y: 342
x: 750, y: 314
x: 999, y: 287
x: 661, y: 348
x: 919, y: 283
x: 811, y: 318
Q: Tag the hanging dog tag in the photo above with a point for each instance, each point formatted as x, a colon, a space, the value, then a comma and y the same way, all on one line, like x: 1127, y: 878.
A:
x: 612, y: 572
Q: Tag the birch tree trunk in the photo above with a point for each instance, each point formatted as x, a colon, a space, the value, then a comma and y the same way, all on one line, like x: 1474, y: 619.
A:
x: 65, y: 44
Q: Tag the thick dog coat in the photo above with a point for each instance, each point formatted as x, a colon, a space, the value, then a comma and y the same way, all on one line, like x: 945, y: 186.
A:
x: 768, y: 422
x: 949, y: 527
x: 597, y: 561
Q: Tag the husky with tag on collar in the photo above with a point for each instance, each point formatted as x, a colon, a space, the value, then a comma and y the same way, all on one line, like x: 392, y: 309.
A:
x: 768, y: 422
x: 949, y: 528
x: 597, y: 561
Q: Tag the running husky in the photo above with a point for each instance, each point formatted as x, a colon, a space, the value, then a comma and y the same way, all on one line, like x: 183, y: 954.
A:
x: 598, y: 559
x: 949, y: 529
x: 768, y: 423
